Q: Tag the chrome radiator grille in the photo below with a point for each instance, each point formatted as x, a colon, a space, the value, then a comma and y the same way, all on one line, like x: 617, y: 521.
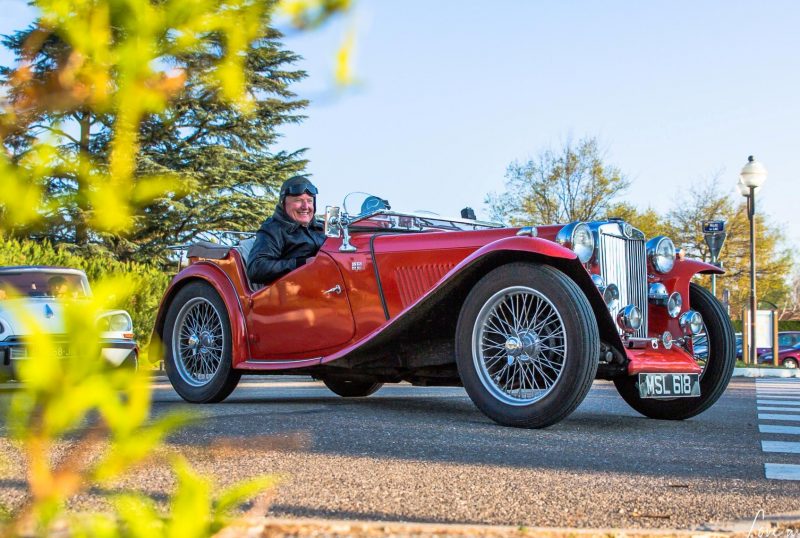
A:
x: 623, y: 262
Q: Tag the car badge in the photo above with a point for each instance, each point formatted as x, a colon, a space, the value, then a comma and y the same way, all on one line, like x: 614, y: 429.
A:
x: 48, y: 312
x: 357, y: 266
x: 627, y: 230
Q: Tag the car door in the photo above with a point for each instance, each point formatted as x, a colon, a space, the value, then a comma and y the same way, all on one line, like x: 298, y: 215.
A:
x: 302, y: 312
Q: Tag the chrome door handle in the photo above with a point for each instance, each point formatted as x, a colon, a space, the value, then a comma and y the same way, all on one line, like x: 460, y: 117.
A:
x: 337, y: 289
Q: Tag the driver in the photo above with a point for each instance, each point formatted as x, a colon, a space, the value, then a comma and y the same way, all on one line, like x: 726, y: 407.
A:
x: 58, y: 287
x: 290, y: 237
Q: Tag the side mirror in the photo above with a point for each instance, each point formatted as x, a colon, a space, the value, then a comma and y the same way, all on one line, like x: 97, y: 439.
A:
x: 333, y: 226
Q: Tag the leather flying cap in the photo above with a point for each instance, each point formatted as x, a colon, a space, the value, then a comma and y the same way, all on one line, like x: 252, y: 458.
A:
x: 297, y: 185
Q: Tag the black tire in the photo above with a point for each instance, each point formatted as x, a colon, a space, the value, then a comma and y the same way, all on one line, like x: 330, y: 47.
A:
x: 197, y: 354
x: 790, y: 362
x: 352, y: 389
x: 536, y: 372
x: 717, y: 366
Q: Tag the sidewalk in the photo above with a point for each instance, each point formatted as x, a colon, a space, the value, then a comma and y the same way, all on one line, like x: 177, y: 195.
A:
x: 766, y: 372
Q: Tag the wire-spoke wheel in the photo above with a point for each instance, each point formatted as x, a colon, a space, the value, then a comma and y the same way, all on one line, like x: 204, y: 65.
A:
x: 527, y: 345
x: 197, y: 341
x: 519, y: 345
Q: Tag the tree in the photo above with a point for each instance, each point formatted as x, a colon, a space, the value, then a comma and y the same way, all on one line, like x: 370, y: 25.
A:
x: 572, y: 183
x: 216, y: 156
x: 705, y: 201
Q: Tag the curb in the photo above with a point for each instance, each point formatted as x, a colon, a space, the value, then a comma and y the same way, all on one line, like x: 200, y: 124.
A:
x: 766, y: 372
x: 253, y: 527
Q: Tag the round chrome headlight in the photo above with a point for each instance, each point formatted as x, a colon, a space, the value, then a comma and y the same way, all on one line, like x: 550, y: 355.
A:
x: 599, y: 282
x: 674, y: 304
x: 577, y: 236
x: 630, y: 318
x: 661, y: 252
x: 691, y: 322
x: 583, y: 242
x: 611, y: 296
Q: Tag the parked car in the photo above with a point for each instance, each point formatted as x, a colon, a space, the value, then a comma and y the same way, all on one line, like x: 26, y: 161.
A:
x: 42, y: 293
x: 788, y: 357
x: 524, y: 318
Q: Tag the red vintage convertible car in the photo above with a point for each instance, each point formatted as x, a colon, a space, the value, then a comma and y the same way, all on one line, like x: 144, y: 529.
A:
x: 523, y: 318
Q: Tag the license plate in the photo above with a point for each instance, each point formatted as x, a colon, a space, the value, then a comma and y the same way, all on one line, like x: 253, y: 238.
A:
x: 669, y: 385
x: 63, y: 350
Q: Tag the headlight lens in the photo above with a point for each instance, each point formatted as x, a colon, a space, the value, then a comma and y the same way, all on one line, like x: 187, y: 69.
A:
x: 661, y: 251
x: 674, y: 304
x: 115, y: 323
x: 611, y: 296
x: 691, y: 322
x: 629, y: 319
x: 583, y: 242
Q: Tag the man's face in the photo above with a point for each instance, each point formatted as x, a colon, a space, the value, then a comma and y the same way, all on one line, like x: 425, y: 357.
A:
x: 300, y: 208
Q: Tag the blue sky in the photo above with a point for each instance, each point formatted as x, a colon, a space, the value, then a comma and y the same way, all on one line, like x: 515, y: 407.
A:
x: 452, y: 91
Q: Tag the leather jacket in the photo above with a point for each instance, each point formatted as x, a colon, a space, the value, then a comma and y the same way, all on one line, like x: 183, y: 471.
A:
x: 282, y: 245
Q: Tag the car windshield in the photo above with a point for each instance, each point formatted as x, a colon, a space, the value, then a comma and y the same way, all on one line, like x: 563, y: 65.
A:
x: 369, y: 212
x: 59, y: 285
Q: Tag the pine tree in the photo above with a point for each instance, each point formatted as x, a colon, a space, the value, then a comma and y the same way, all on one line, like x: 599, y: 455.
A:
x: 225, y: 171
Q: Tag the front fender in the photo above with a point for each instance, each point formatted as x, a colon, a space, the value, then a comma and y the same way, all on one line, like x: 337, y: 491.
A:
x: 219, y: 280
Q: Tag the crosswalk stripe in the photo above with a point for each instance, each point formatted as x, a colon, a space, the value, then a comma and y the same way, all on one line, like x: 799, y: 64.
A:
x: 782, y: 471
x: 774, y: 428
x: 773, y: 416
x: 775, y: 393
x: 788, y: 447
x: 767, y: 401
x: 776, y: 408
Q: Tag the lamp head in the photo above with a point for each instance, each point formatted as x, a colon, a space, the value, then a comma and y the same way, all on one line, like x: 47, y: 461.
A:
x: 753, y: 174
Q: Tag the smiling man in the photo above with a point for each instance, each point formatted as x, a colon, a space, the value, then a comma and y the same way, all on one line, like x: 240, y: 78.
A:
x: 290, y: 237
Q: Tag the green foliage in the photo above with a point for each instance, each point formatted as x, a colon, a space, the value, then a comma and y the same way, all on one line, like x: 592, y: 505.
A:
x: 572, y: 183
x: 706, y: 201
x: 203, y: 161
x: 147, y: 283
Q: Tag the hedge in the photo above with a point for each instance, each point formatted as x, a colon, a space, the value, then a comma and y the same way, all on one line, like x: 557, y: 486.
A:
x: 149, y: 282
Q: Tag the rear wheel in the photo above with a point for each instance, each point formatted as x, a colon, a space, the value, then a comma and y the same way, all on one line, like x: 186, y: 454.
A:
x: 351, y: 389
x: 790, y: 362
x: 197, y: 345
x: 527, y: 345
x: 717, y: 363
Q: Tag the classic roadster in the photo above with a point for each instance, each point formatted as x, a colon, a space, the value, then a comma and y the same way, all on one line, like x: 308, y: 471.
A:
x: 523, y: 318
x: 36, y: 294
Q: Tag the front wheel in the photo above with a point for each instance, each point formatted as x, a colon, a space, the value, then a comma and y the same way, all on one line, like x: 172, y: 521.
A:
x: 197, y: 345
x: 527, y: 345
x: 348, y: 388
x: 717, y: 364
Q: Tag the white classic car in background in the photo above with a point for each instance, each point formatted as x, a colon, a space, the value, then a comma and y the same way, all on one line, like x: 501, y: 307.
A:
x: 41, y: 293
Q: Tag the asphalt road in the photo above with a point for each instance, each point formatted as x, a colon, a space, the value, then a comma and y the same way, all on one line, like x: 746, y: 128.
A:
x: 428, y: 455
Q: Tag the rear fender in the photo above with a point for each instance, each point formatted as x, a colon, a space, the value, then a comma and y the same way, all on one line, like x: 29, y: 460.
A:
x: 219, y: 280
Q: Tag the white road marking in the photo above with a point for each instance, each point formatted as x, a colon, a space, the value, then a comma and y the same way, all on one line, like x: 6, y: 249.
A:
x: 793, y: 403
x: 782, y: 471
x: 773, y: 416
x: 783, y: 396
x: 788, y: 447
x: 775, y: 428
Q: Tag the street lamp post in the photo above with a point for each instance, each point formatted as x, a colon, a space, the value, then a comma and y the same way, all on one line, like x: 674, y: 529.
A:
x: 752, y: 176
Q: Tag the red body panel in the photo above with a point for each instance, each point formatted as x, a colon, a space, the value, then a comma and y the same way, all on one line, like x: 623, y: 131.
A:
x: 294, y: 323
x: 661, y: 361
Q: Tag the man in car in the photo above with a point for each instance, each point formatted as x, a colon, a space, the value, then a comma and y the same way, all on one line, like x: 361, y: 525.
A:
x: 58, y: 287
x: 290, y: 237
